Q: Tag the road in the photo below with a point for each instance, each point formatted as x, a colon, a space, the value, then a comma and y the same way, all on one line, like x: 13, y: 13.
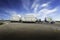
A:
x: 29, y: 30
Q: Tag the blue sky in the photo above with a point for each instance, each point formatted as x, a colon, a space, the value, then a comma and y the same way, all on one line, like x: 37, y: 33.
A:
x: 40, y: 8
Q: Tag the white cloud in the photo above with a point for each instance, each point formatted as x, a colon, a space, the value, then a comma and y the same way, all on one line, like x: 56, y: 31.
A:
x: 10, y: 12
x: 45, y: 4
x: 34, y: 3
x: 25, y: 7
x: 44, y: 12
x: 36, y: 8
x: 47, y: 11
x: 19, y: 15
x: 57, y: 19
x: 26, y: 4
x: 30, y: 14
x: 33, y: 14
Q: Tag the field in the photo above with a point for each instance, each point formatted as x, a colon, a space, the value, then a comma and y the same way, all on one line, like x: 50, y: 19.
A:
x: 29, y: 30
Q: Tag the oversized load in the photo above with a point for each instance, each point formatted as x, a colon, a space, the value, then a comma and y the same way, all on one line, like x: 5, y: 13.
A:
x: 15, y: 17
x: 29, y: 18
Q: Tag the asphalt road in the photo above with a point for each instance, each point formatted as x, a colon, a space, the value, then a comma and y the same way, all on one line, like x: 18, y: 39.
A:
x: 29, y: 30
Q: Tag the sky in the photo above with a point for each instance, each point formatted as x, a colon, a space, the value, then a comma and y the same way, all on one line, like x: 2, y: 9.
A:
x: 38, y: 8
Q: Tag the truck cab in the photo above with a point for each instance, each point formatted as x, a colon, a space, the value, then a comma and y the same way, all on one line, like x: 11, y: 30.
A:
x: 49, y: 20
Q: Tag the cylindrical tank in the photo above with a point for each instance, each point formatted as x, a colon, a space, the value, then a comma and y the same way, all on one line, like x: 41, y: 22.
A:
x: 29, y: 18
x: 15, y: 17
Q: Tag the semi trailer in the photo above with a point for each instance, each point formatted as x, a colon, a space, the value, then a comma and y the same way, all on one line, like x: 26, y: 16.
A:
x: 31, y: 18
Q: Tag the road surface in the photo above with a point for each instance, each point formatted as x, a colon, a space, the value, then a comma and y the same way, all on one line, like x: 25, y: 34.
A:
x: 29, y: 30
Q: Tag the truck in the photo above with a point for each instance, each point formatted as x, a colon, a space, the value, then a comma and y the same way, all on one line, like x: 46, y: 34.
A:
x: 49, y: 20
